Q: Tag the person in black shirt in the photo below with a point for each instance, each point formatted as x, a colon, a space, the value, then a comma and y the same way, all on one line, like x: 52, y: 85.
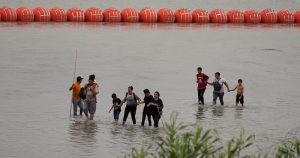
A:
x: 116, y: 106
x: 147, y: 99
x: 155, y: 108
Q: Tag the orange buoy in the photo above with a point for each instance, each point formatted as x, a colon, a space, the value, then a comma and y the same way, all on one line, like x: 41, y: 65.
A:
x: 24, y: 14
x: 252, y: 17
x: 268, y: 16
x: 93, y: 15
x: 148, y: 15
x: 112, y: 15
x: 8, y: 14
x: 297, y: 17
x: 58, y: 15
x: 235, y: 16
x: 75, y: 15
x: 41, y: 14
x: 183, y: 16
x: 130, y: 15
x: 218, y: 16
x: 285, y: 16
x: 200, y: 16
x: 165, y: 15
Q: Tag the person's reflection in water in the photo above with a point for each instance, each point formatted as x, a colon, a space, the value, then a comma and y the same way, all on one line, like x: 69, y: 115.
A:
x: 83, y: 137
x: 200, y: 113
x: 218, y: 111
x: 238, y: 112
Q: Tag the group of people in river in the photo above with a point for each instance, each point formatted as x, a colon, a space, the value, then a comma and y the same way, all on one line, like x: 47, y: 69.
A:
x: 218, y: 85
x: 85, y: 98
x: 153, y: 106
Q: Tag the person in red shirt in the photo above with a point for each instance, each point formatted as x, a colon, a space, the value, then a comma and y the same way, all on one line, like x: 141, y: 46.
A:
x: 202, y: 82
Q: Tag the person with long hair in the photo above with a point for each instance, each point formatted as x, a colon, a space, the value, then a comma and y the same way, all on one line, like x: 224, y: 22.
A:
x: 155, y: 108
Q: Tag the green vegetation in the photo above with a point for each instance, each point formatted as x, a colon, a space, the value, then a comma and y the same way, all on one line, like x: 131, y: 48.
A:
x: 180, y: 142
x: 290, y: 149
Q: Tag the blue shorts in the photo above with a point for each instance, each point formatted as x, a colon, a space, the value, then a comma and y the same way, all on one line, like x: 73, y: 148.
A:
x: 116, y: 114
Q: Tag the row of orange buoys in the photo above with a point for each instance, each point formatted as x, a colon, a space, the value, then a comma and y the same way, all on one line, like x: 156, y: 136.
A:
x: 148, y: 15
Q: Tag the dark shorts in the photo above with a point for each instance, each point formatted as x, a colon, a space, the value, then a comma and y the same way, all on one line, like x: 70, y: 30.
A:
x: 90, y: 106
x: 239, y: 98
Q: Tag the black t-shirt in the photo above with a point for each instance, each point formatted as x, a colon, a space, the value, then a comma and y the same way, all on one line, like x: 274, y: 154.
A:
x: 148, y: 99
x: 118, y: 101
x: 159, y: 103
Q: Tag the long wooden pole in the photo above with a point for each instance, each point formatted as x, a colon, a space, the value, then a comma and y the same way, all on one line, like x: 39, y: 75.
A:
x: 75, y: 66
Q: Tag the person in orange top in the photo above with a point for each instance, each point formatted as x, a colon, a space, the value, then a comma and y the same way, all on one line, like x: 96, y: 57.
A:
x: 75, y: 96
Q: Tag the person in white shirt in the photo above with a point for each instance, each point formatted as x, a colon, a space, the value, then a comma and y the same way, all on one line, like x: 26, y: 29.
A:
x: 218, y: 88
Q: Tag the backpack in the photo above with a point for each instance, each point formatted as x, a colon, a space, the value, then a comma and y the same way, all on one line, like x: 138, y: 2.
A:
x: 217, y: 86
x: 82, y: 95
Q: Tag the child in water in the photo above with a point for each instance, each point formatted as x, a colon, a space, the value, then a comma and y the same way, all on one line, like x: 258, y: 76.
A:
x: 240, y: 93
x: 116, y: 106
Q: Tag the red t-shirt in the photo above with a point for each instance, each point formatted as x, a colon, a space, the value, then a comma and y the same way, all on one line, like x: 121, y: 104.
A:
x: 202, y: 80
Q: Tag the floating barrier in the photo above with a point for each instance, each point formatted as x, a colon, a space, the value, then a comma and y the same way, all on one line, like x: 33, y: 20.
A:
x: 112, y: 15
x: 183, y: 16
x: 252, y: 16
x: 268, y: 16
x: 130, y: 15
x: 8, y: 14
x: 58, y: 15
x: 200, y: 16
x: 297, y: 17
x: 24, y: 14
x: 41, y: 14
x: 148, y: 15
x: 75, y: 15
x: 165, y: 15
x: 285, y: 16
x: 235, y: 16
x: 218, y: 16
x: 93, y: 15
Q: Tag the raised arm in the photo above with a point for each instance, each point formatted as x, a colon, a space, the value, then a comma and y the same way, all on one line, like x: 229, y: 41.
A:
x: 71, y: 87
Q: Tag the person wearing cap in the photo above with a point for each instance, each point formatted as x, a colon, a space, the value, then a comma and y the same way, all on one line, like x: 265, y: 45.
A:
x: 91, y: 90
x: 75, y: 95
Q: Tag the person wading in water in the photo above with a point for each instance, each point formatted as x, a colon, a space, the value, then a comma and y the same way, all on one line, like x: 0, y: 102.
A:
x: 202, y: 82
x: 75, y: 96
x: 132, y: 101
x: 155, y: 108
x: 218, y: 88
x: 147, y: 99
x: 116, y: 106
x: 91, y: 90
